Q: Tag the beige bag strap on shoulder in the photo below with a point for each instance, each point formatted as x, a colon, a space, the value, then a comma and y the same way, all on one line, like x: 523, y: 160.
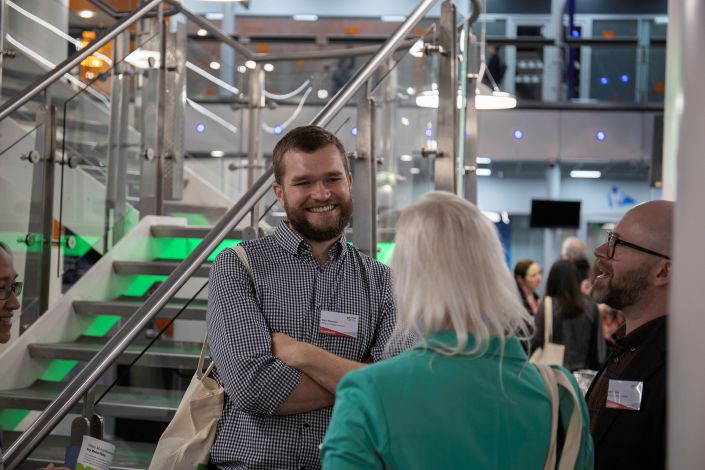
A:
x: 553, y: 379
x: 548, y: 320
x: 240, y: 252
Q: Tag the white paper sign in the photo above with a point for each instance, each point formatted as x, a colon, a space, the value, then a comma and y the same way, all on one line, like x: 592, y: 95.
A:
x: 339, y: 324
x: 95, y: 454
x: 624, y: 395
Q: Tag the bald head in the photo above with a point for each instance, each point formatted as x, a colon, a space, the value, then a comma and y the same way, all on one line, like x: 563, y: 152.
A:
x: 651, y: 223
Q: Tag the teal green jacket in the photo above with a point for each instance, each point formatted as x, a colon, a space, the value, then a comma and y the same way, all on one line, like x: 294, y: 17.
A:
x: 425, y: 410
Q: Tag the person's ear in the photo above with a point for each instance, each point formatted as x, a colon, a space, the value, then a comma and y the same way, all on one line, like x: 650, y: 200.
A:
x: 278, y: 193
x: 664, y: 273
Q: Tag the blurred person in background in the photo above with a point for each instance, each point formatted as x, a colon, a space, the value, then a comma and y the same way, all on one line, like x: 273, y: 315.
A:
x: 576, y: 319
x: 573, y: 249
x: 527, y: 274
x: 464, y: 397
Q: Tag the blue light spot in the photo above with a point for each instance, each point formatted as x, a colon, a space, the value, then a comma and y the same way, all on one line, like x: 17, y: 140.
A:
x: 429, y: 132
x: 518, y: 134
x: 600, y: 135
x: 200, y: 128
x: 278, y: 129
x: 604, y: 80
x: 624, y: 78
x: 353, y: 131
x: 575, y: 33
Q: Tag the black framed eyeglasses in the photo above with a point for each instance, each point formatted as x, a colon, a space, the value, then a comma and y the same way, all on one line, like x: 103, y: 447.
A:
x: 613, y: 240
x: 14, y: 288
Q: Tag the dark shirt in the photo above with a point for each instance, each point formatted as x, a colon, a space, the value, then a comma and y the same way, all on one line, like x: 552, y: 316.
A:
x: 625, y: 350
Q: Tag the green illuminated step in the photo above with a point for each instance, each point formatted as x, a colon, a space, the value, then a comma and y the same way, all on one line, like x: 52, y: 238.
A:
x: 122, y: 402
x: 163, y: 268
x: 128, y: 455
x: 125, y: 308
x: 163, y: 353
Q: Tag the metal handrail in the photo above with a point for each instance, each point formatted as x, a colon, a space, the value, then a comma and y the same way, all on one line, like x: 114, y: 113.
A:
x: 92, y: 371
x: 64, y: 67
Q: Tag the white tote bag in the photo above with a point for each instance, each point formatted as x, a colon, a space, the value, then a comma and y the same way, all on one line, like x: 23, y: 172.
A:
x: 187, y: 441
x: 551, y: 353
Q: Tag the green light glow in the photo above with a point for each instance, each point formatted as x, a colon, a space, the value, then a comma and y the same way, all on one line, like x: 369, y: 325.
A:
x: 385, y: 251
x: 58, y: 369
x: 10, y: 418
x: 101, y: 325
x: 141, y: 284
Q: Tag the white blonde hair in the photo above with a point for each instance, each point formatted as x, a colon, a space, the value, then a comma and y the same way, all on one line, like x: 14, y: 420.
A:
x: 449, y: 271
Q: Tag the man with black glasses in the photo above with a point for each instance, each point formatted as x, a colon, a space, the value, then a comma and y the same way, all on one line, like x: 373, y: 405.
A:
x: 10, y: 289
x: 627, y: 399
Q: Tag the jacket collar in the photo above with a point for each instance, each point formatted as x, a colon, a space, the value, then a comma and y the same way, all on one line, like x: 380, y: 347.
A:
x: 448, y: 339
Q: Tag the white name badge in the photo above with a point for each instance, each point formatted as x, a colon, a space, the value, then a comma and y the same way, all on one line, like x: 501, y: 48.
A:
x: 339, y: 324
x: 624, y: 394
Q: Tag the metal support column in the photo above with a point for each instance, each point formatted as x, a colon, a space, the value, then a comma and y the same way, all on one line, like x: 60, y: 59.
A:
x: 116, y: 190
x: 40, y: 230
x: 3, y: 30
x: 364, y: 191
x: 445, y: 162
x: 470, y: 134
x: 254, y: 142
x: 550, y: 235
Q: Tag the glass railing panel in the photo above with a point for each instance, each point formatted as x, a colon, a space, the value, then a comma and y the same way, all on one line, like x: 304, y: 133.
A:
x: 99, y: 184
x: 43, y: 34
x: 406, y: 102
x: 22, y: 167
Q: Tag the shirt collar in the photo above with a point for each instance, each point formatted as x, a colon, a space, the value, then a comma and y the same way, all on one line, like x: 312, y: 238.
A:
x: 636, y: 337
x: 512, y: 345
x: 290, y: 240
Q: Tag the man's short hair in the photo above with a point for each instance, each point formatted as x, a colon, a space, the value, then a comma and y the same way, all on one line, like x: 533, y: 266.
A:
x: 306, y: 139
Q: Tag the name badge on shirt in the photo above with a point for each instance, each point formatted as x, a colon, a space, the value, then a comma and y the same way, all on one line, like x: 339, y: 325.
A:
x: 339, y: 324
x: 624, y: 394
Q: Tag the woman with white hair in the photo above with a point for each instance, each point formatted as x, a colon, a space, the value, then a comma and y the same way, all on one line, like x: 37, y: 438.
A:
x: 465, y: 396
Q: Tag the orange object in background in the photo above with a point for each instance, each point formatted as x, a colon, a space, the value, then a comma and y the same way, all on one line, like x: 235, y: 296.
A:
x: 94, y: 65
x: 660, y: 88
x: 262, y: 48
x: 608, y: 34
x: 160, y: 323
x: 352, y: 30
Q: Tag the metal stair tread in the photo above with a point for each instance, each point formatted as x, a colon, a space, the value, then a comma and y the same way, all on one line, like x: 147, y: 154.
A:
x: 128, y: 306
x: 128, y: 402
x: 159, y: 267
x: 189, y: 231
x: 163, y: 353
x: 128, y: 455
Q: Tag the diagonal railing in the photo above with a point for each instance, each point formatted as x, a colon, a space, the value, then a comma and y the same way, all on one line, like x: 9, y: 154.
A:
x: 92, y: 371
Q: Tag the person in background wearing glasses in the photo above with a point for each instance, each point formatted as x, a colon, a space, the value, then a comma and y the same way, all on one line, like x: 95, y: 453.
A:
x: 10, y: 290
x: 627, y: 399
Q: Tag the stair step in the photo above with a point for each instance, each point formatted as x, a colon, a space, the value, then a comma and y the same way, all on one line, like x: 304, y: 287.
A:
x: 125, y: 308
x: 163, y: 353
x: 163, y: 268
x: 190, y: 231
x: 128, y: 455
x: 122, y: 402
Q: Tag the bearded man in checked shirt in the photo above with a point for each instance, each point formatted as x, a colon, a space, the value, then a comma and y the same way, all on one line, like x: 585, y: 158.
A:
x: 314, y: 309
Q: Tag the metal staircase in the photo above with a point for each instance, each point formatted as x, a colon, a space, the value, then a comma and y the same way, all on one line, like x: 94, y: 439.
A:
x: 82, y: 343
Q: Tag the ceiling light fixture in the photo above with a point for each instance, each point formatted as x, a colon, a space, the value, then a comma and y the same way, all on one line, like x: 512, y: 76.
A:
x: 86, y: 14
x: 305, y: 17
x: 585, y: 174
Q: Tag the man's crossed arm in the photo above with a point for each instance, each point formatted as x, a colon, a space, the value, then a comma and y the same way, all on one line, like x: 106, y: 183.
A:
x: 321, y: 372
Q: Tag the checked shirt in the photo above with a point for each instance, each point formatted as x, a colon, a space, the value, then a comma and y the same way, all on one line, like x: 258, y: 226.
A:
x: 288, y: 293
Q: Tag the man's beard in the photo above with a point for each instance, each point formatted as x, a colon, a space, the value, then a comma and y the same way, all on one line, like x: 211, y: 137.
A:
x: 624, y: 293
x: 299, y: 222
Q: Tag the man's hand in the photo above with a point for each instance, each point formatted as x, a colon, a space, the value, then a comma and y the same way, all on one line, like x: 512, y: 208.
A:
x: 287, y: 349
